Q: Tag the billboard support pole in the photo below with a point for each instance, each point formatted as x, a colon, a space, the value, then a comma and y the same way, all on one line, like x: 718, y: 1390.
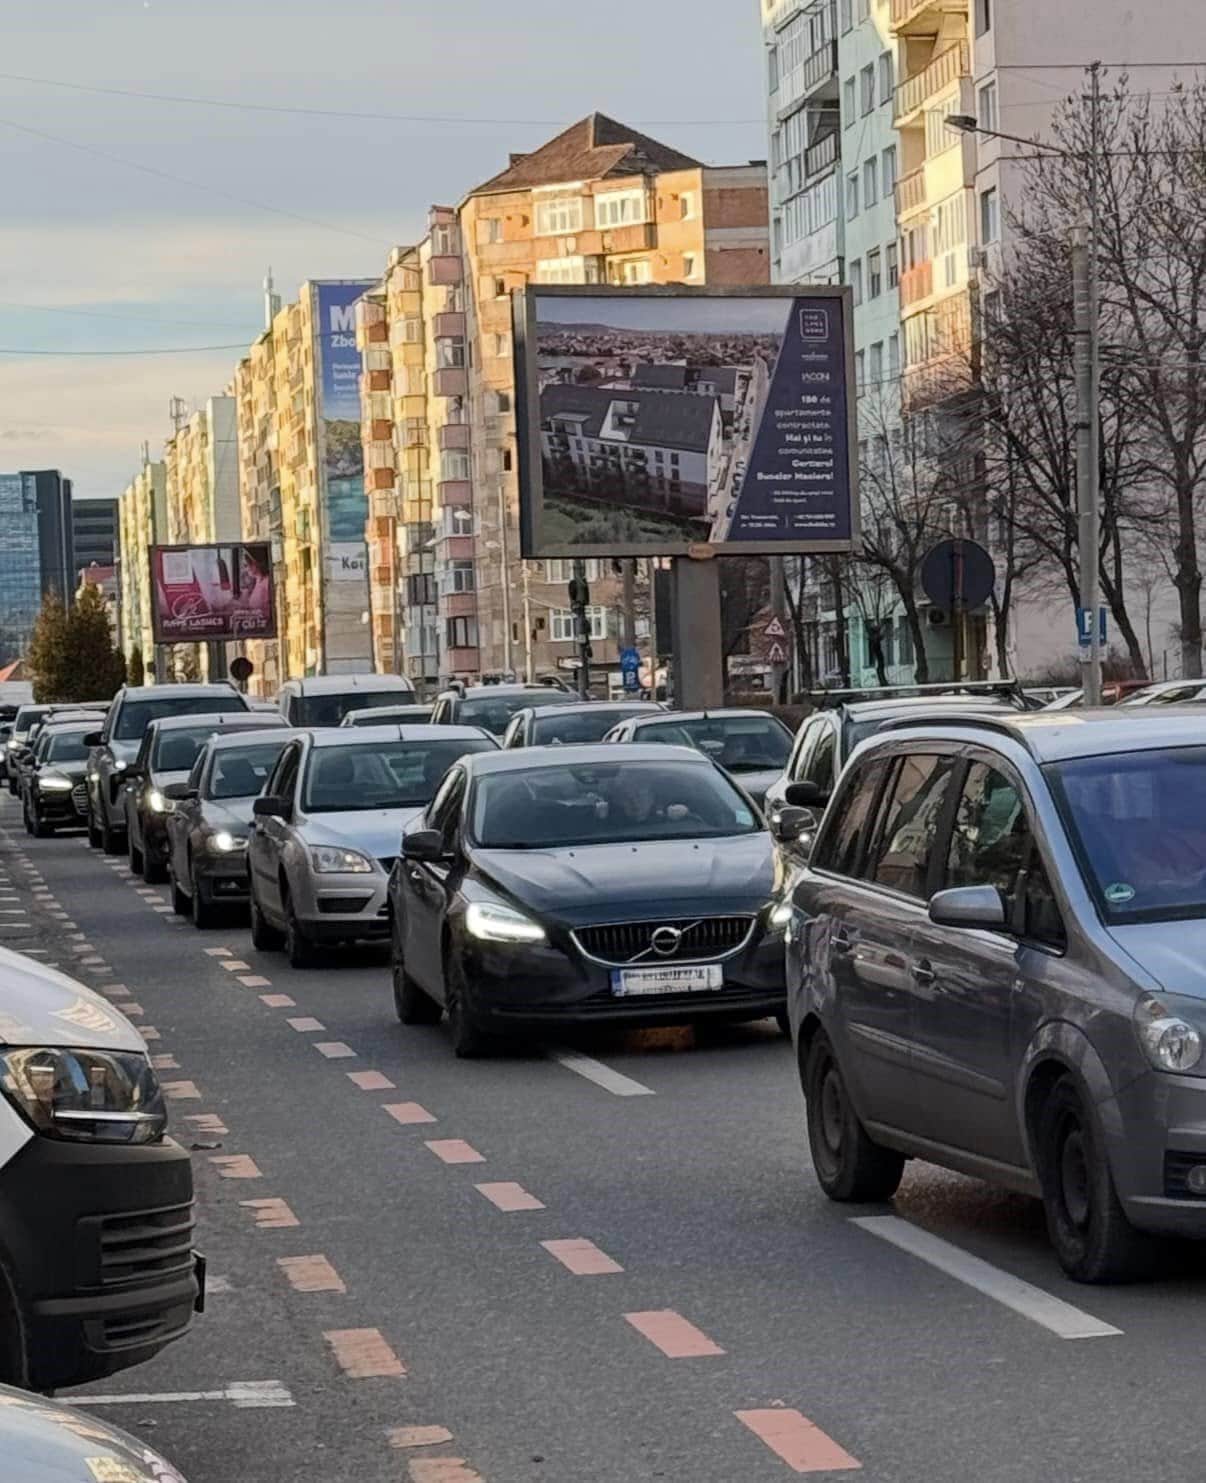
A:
x: 628, y: 611
x: 778, y: 606
x: 698, y: 644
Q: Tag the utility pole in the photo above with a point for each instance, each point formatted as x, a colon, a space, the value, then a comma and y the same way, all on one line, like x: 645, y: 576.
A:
x: 529, y: 672
x: 504, y: 577
x: 628, y: 609
x: 579, y: 595
x: 1085, y: 295
x: 778, y: 607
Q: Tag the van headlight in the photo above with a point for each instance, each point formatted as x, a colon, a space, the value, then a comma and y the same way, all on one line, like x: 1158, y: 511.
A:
x: 1171, y: 1043
x: 226, y: 843
x: 493, y: 922
x: 158, y: 802
x: 330, y: 860
x: 54, y: 782
x: 85, y: 1096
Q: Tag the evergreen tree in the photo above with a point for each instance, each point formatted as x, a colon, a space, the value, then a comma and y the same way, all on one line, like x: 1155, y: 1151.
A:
x: 47, y: 659
x: 137, y: 670
x: 95, y: 666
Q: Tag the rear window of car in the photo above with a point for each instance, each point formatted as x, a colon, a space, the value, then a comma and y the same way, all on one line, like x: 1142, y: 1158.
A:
x: 575, y: 727
x: 368, y: 775
x: 136, y: 715
x: 738, y: 743
x: 26, y: 717
x: 493, y: 712
x: 67, y: 747
x: 329, y: 710
x: 241, y: 772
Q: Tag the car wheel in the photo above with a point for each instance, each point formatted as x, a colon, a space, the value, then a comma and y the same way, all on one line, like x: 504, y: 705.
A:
x: 849, y: 1166
x: 94, y: 834
x: 203, y: 910
x: 134, y: 853
x: 26, y: 821
x: 783, y: 1023
x: 38, y: 826
x: 1092, y: 1237
x: 265, y: 938
x: 469, y: 1042
x: 180, y: 902
x: 299, y: 949
x: 414, y: 1005
x: 154, y: 872
x: 111, y: 841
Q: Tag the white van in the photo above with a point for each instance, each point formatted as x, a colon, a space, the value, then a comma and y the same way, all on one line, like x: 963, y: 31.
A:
x: 324, y: 700
x: 97, y: 1267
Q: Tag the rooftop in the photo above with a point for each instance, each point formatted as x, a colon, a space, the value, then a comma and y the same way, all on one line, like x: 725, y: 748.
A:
x: 522, y: 758
x: 1057, y: 736
x: 664, y: 419
x: 592, y: 149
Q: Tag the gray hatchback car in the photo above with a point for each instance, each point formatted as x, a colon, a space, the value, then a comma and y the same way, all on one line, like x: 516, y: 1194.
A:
x: 996, y: 961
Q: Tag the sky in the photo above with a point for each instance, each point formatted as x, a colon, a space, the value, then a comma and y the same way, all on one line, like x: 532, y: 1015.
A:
x: 97, y: 255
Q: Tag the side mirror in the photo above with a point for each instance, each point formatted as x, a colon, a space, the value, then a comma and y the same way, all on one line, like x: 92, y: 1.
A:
x: 268, y: 807
x: 790, y: 824
x: 134, y: 773
x: 805, y: 795
x: 95, y: 739
x: 973, y: 908
x: 423, y: 844
x: 179, y: 792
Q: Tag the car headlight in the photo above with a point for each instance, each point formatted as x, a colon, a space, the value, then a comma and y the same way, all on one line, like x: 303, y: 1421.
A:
x: 94, y: 777
x: 329, y: 860
x: 87, y: 1096
x: 1171, y: 1043
x: 120, y: 766
x: 54, y: 782
x: 781, y: 914
x: 223, y: 842
x: 491, y: 922
x: 158, y: 802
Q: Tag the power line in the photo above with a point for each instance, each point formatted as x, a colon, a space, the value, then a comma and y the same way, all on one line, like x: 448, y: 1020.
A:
x: 363, y: 115
x: 117, y: 159
x: 156, y: 350
x: 207, y: 324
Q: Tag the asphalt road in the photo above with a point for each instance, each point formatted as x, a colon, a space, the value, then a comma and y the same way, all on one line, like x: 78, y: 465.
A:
x: 380, y: 1310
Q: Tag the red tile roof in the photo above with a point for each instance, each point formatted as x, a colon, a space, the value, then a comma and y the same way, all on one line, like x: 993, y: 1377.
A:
x: 592, y: 149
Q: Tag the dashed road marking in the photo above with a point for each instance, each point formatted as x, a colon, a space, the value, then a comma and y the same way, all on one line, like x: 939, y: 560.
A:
x: 673, y: 1334
x: 409, y: 1112
x: 164, y: 1063
x: 455, y: 1151
x: 442, y: 1470
x: 363, y: 1354
x: 334, y: 1050
x: 603, y: 1076
x: 180, y: 1091
x: 236, y: 1166
x: 234, y: 965
x: 278, y: 1001
x: 271, y: 1215
x: 509, y: 1196
x: 371, y: 1081
x: 255, y: 981
x: 305, y: 1023
x: 582, y: 1258
x: 418, y: 1436
x: 218, y: 952
x: 311, y: 1274
x: 207, y: 1122
x: 801, y: 1444
x: 243, y: 1394
x: 1031, y: 1302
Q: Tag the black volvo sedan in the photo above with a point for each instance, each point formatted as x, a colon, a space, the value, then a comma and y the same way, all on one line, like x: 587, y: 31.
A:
x: 602, y: 884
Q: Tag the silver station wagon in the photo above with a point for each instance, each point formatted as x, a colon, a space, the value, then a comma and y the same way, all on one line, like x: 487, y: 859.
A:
x: 996, y: 961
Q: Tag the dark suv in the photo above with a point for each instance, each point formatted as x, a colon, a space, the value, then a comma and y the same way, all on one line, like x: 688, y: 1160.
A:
x: 115, y: 746
x: 492, y: 706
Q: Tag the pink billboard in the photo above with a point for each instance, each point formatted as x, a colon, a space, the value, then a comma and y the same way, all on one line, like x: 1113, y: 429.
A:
x: 202, y: 593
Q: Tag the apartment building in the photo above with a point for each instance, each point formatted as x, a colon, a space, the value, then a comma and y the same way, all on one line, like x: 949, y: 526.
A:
x: 93, y: 532
x: 35, y: 552
x: 254, y: 390
x: 142, y: 523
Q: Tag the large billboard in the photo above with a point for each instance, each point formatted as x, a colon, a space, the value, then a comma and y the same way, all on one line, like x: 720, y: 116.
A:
x: 654, y: 422
x: 212, y: 593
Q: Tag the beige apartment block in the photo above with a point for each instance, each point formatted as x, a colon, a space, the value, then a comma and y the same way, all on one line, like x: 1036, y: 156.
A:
x: 142, y: 518
x: 254, y: 391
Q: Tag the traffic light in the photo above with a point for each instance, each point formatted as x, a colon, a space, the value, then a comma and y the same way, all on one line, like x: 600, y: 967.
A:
x: 579, y: 592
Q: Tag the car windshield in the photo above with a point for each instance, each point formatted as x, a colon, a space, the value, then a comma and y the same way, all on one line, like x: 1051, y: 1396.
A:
x: 738, y: 743
x: 67, y: 746
x: 395, y: 715
x: 493, y: 712
x: 1138, y: 820
x: 241, y: 772
x: 590, y: 724
x: 136, y: 715
x: 606, y: 803
x: 177, y: 750
x: 394, y: 774
x: 329, y: 710
x: 26, y: 717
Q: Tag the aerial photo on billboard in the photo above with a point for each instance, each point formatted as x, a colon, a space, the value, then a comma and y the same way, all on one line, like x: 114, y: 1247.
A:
x: 655, y: 422
x: 204, y: 593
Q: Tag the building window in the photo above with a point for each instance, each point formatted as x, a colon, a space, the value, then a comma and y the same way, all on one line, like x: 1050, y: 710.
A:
x: 983, y: 16
x: 621, y: 208
x: 636, y: 272
x: 562, y: 624
x: 887, y: 77
x: 420, y: 590
x: 562, y: 570
x: 772, y: 69
x: 503, y: 401
x: 852, y: 195
x: 560, y: 270
x: 860, y: 370
x: 893, y: 264
x: 870, y: 182
x: 686, y: 206
x: 893, y: 356
x: 856, y: 280
x: 489, y: 230
x: 454, y: 464
x: 690, y: 262
x: 461, y: 633
x: 987, y: 114
x: 848, y: 101
x: 939, y: 138
x: 462, y: 577
x: 450, y: 355
x: 888, y: 169
x: 443, y: 241
x: 847, y: 14
x: 875, y: 363
x: 992, y: 307
x: 989, y: 223
x: 506, y: 460
x: 875, y: 274
x: 867, y: 87
x: 500, y: 288
x: 558, y: 215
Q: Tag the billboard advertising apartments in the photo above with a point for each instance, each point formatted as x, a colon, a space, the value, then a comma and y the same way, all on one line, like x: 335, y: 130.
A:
x: 652, y: 421
x: 212, y: 593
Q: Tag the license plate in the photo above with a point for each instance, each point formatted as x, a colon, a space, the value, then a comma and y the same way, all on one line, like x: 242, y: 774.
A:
x: 700, y: 978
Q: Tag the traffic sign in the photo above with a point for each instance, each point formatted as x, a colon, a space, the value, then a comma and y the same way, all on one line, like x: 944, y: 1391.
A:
x: 630, y: 660
x: 958, y: 574
x: 632, y: 679
x: 1084, y: 628
x: 775, y: 630
x: 777, y: 654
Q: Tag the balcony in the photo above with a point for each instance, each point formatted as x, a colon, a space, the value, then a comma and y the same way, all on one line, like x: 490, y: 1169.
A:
x: 821, y: 156
x: 455, y: 492
x: 451, y: 381
x: 449, y: 326
x: 444, y: 268
x: 947, y: 67
x: 461, y: 661
x: 820, y: 67
x: 453, y: 435
x: 916, y: 283
x: 458, y: 605
x: 923, y: 17
x: 911, y: 192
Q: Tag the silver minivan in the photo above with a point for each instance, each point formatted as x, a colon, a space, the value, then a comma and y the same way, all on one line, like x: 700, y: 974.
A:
x: 996, y: 961
x: 324, y: 700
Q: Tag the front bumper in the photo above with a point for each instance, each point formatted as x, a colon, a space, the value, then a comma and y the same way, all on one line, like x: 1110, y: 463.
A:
x: 221, y: 877
x: 511, y: 987
x: 57, y: 808
x: 153, y: 828
x: 340, y: 908
x: 97, y: 1244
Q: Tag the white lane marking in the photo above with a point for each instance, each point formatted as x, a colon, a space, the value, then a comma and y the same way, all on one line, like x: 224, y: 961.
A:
x: 611, y: 1081
x: 1031, y: 1302
x: 245, y: 1394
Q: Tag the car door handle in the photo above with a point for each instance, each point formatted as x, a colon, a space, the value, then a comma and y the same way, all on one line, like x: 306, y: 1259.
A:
x: 923, y: 972
x: 841, y: 942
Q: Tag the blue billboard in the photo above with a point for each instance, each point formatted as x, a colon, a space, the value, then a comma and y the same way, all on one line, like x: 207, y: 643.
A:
x: 339, y: 384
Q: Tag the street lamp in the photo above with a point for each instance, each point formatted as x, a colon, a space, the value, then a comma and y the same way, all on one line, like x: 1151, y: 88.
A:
x: 1085, y: 293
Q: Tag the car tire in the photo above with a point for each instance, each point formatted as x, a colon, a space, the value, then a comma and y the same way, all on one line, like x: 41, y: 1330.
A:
x: 265, y: 938
x: 204, y: 911
x: 181, y: 904
x: 39, y: 828
x: 1093, y: 1240
x: 414, y: 1005
x: 469, y: 1042
x: 299, y: 949
x: 154, y: 872
x: 111, y: 840
x: 784, y: 1024
x: 135, y: 854
x: 26, y: 822
x: 849, y: 1166
x: 94, y: 834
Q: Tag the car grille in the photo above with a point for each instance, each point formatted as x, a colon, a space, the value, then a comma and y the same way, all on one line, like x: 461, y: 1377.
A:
x: 342, y: 906
x: 607, y: 1006
x: 146, y: 1245
x: 79, y: 796
x: 700, y: 938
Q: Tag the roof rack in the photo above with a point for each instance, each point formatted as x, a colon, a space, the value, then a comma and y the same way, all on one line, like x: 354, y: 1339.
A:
x: 1010, y: 688
x: 1003, y: 724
